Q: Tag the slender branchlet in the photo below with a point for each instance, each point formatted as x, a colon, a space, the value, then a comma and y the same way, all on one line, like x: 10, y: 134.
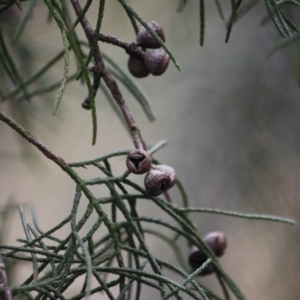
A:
x: 30, y: 138
x: 101, y: 70
x: 130, y: 48
x: 6, y: 293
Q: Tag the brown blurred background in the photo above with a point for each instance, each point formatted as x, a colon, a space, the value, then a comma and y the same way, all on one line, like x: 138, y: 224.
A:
x: 232, y: 125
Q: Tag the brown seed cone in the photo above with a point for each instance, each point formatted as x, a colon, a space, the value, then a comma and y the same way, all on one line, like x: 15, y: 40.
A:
x: 137, y: 67
x: 217, y: 242
x: 156, y: 61
x: 145, y: 39
x: 197, y: 258
x: 159, y: 179
x: 138, y: 161
x: 86, y: 104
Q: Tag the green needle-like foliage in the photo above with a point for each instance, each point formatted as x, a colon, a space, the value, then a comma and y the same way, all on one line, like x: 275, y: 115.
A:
x: 57, y: 267
x: 123, y: 251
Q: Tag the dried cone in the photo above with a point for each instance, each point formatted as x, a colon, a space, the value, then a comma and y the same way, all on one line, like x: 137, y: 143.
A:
x: 197, y: 258
x: 138, y: 161
x: 137, y: 67
x: 86, y: 104
x: 145, y: 39
x: 217, y: 242
x: 156, y: 61
x: 159, y: 179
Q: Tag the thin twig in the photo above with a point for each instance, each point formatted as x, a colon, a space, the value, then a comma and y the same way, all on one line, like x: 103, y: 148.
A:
x: 108, y: 79
x: 30, y: 138
x: 131, y: 48
x: 89, y: 33
x: 7, y: 295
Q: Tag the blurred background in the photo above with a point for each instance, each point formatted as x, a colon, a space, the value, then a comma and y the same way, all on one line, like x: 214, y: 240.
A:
x: 232, y: 125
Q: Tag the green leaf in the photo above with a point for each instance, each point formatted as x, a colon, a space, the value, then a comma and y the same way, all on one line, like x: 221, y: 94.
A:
x: 24, y: 20
x: 66, y: 72
x: 202, y: 21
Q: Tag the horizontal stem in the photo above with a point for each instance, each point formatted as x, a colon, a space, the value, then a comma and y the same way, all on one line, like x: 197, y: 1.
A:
x: 128, y: 47
x: 238, y: 214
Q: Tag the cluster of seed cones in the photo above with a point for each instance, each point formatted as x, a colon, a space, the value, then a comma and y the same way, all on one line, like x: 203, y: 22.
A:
x: 154, y: 61
x: 159, y: 179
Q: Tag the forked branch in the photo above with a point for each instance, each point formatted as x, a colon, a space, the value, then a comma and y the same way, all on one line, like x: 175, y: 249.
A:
x: 100, y: 70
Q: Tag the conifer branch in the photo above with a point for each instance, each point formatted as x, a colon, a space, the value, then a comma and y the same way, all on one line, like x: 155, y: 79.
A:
x: 123, y: 250
x: 30, y: 138
x: 101, y: 71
